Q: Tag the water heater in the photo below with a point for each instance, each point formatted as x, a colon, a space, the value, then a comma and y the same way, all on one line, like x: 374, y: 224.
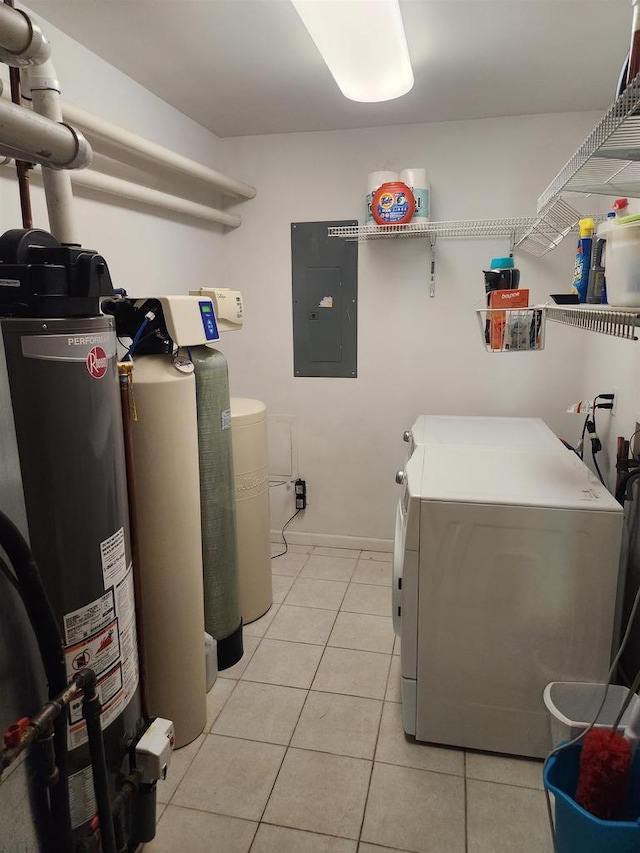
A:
x: 62, y: 376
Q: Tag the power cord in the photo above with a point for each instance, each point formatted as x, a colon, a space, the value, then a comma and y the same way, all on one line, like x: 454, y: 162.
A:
x: 596, y: 444
x: 589, y: 428
x: 284, y: 527
x: 580, y: 448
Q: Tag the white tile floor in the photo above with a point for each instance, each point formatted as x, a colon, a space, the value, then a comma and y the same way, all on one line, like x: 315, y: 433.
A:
x: 304, y: 750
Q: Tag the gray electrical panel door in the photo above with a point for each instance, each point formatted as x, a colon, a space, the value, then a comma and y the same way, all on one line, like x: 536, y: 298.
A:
x: 325, y: 301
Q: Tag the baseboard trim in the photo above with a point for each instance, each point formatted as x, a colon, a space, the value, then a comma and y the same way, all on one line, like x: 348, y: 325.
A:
x: 328, y: 540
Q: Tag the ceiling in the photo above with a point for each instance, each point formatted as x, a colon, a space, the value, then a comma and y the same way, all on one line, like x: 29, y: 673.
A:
x: 244, y: 67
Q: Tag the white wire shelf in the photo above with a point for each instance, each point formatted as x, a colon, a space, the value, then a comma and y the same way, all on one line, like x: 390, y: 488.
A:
x: 606, y: 162
x: 454, y: 228
x: 617, y: 322
x: 535, y: 235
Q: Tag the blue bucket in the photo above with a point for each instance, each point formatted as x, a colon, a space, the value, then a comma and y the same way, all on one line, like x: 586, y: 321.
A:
x: 577, y: 831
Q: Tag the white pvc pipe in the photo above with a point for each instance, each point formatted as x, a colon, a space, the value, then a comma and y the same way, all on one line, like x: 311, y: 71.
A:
x: 109, y: 138
x: 21, y: 41
x: 14, y: 153
x: 144, y: 195
x: 15, y: 32
x: 41, y: 140
x: 45, y: 92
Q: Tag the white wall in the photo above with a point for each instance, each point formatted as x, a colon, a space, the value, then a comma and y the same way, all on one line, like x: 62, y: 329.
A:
x: 147, y: 252
x: 415, y: 354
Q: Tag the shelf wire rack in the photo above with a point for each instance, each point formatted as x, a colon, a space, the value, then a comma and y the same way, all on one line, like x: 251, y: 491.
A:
x: 616, y: 322
x: 606, y: 162
x: 516, y: 226
x: 535, y: 235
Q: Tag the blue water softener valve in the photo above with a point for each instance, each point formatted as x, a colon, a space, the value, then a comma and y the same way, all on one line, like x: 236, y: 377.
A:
x: 209, y: 320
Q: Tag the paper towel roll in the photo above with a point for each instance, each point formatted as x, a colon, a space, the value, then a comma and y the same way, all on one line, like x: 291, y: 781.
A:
x: 374, y: 181
x: 416, y: 180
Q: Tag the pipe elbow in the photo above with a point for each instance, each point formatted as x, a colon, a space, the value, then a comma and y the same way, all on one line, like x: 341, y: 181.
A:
x: 37, y: 51
x: 38, y: 78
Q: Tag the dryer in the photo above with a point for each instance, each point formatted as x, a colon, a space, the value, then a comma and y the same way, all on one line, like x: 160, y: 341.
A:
x: 479, y: 430
x: 505, y: 578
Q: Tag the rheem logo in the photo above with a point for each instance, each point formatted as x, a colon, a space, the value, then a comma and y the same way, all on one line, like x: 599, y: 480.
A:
x: 97, y: 362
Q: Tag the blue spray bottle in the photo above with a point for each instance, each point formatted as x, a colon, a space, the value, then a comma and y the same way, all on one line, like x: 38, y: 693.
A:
x: 583, y: 259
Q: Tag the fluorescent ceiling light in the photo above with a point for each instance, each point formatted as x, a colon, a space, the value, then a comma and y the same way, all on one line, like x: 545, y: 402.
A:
x: 364, y: 45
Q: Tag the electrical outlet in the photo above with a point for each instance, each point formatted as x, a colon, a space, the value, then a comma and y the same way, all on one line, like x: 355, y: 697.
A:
x: 301, y: 494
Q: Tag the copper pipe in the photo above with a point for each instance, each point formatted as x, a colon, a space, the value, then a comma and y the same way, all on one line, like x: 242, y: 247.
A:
x: 129, y: 414
x: 22, y: 168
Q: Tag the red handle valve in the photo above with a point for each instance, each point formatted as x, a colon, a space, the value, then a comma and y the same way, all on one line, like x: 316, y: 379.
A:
x: 14, y: 733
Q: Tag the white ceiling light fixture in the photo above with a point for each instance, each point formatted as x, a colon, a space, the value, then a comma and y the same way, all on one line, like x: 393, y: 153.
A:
x: 364, y: 45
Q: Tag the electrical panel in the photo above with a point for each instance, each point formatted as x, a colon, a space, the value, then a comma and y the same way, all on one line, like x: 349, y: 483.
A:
x: 325, y: 301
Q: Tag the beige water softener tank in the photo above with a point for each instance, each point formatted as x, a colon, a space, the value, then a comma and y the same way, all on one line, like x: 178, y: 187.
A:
x: 249, y: 438
x: 165, y: 444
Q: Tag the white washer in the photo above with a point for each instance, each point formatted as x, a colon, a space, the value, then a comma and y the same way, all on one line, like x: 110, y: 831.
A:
x: 505, y: 578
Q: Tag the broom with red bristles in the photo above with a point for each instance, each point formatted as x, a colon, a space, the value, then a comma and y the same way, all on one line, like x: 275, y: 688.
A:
x: 605, y: 766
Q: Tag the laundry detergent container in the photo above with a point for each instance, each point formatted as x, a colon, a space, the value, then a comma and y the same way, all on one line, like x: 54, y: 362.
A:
x: 622, y: 264
x: 249, y: 438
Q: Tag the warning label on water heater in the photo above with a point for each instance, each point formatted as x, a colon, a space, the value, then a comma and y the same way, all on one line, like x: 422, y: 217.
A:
x: 81, y: 797
x: 99, y: 651
x: 114, y: 561
x: 102, y: 635
x: 87, y: 620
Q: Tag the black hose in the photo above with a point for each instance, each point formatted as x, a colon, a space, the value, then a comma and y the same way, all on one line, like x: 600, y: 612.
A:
x: 120, y: 815
x: 91, y: 710
x: 49, y: 639
x: 627, y: 480
x: 36, y: 602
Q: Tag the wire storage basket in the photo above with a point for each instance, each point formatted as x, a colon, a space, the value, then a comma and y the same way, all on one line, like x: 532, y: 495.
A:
x: 512, y: 329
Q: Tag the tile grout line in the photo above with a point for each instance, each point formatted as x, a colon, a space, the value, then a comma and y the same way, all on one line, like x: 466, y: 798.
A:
x: 233, y: 690
x: 466, y: 804
x: 373, y: 760
x: 288, y: 746
x: 205, y: 733
x: 255, y: 835
x: 307, y: 643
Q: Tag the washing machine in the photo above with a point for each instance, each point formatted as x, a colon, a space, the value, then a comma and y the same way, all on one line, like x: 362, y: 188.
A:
x: 505, y: 578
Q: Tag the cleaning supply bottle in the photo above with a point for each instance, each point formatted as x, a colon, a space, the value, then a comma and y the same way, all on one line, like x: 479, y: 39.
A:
x: 621, y: 207
x: 583, y: 259
x: 595, y: 290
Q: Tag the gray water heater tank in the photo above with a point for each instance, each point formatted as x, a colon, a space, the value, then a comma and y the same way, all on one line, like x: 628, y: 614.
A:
x: 66, y: 405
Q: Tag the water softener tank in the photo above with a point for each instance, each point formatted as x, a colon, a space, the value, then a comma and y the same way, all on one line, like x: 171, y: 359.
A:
x: 219, y: 559
x: 165, y: 446
x: 250, y: 459
x: 66, y: 404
